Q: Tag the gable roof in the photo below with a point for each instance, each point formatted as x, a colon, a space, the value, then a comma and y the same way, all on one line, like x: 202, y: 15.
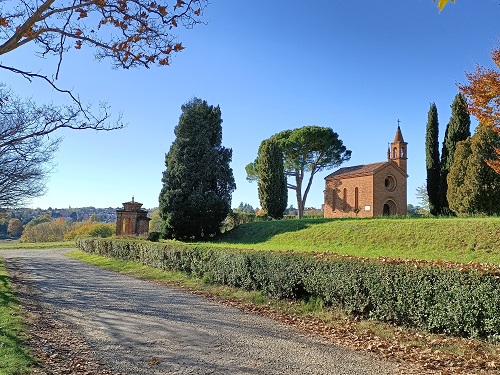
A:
x: 356, y: 170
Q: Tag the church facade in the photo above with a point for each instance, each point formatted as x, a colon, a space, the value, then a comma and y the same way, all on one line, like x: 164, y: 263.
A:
x: 370, y: 190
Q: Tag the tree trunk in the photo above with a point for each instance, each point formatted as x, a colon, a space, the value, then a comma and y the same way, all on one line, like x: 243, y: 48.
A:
x: 304, y: 198
x: 299, y: 175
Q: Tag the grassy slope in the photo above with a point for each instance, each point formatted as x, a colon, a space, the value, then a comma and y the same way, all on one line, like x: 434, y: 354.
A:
x: 450, y: 239
x: 14, y: 354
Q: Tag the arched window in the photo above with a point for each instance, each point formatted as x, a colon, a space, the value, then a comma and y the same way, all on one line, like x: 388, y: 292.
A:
x: 395, y: 153
x: 356, y: 203
x: 402, y: 152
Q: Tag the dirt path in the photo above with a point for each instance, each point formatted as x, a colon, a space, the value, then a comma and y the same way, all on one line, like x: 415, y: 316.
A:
x: 129, y: 326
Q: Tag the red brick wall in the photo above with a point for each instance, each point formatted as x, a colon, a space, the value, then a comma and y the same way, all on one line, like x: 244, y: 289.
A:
x: 131, y: 222
x: 383, y: 194
x: 372, y: 193
x: 335, y: 206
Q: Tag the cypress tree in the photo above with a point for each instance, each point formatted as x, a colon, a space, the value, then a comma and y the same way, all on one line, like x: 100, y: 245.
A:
x: 472, y: 185
x: 458, y: 129
x: 432, y: 160
x: 273, y: 193
x: 197, y: 182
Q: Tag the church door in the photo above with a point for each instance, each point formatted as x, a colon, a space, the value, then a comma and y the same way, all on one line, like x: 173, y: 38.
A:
x: 387, y: 210
x: 390, y: 208
x: 127, y: 226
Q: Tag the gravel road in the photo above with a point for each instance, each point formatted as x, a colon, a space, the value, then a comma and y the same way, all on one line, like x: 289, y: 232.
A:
x: 138, y: 327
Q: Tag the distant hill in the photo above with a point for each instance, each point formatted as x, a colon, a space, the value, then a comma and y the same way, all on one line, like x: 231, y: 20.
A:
x: 105, y: 215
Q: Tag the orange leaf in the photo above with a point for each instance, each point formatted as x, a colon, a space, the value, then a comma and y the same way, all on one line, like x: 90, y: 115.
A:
x: 168, y: 50
x: 162, y: 10
x: 82, y: 12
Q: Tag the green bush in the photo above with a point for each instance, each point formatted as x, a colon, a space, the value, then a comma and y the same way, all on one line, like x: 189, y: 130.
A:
x: 154, y: 236
x: 102, y: 230
x: 236, y: 218
x: 438, y: 299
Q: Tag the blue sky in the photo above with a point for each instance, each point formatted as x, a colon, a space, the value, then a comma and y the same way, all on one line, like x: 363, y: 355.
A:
x: 354, y: 66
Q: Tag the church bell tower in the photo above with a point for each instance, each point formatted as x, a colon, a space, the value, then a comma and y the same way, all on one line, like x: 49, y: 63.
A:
x: 398, y: 150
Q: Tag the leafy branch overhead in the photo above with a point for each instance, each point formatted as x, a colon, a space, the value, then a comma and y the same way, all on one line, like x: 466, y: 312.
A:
x: 129, y: 32
x: 442, y: 3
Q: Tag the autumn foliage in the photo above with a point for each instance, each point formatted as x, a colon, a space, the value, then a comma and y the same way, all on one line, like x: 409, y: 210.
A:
x: 442, y: 3
x: 483, y: 96
x: 47, y: 230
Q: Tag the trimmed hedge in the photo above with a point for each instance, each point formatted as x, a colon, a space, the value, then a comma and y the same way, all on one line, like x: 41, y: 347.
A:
x: 438, y: 299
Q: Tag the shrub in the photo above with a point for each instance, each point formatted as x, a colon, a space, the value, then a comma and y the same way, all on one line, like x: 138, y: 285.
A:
x: 235, y: 218
x: 102, y: 230
x: 91, y: 229
x: 52, y: 231
x: 154, y: 236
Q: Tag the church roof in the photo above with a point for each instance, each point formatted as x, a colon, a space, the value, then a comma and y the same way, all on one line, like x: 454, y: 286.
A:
x: 399, y: 136
x: 356, y: 170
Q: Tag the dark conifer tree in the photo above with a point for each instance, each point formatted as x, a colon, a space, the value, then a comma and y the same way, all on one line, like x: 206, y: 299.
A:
x: 458, y: 129
x: 198, y: 182
x: 432, y: 160
x: 273, y: 192
x: 472, y: 185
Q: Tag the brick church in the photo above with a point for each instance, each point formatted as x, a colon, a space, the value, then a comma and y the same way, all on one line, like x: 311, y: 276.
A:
x: 369, y: 190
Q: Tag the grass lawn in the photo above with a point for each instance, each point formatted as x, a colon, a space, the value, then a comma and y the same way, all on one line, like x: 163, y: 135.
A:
x: 450, y: 239
x: 15, y: 356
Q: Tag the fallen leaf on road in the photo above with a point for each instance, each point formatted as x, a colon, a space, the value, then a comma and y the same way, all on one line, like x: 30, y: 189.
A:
x: 154, y: 361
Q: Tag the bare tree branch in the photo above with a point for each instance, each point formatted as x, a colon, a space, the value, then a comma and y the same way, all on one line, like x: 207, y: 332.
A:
x: 27, y: 142
x: 130, y: 33
x: 29, y: 76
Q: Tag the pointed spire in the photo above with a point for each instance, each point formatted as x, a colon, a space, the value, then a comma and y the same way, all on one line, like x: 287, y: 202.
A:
x: 399, y: 135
